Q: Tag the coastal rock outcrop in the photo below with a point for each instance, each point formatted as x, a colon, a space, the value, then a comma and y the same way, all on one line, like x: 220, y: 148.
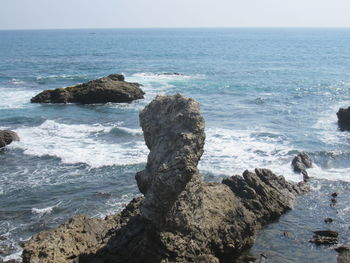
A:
x: 7, y: 136
x: 181, y: 218
x: 344, y: 118
x: 112, y: 88
x: 300, y: 163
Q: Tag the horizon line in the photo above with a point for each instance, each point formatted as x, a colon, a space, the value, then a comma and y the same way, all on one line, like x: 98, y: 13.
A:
x: 202, y: 27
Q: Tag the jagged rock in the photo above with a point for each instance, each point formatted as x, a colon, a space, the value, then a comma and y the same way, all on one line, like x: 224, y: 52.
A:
x: 300, y: 163
x: 181, y: 218
x: 112, y: 88
x: 325, y: 237
x: 343, y: 254
x: 344, y: 118
x: 6, y: 137
x: 80, y: 234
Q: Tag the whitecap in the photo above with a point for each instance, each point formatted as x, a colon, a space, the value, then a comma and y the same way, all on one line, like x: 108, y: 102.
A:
x: 42, y: 211
x: 15, y: 98
x: 80, y: 143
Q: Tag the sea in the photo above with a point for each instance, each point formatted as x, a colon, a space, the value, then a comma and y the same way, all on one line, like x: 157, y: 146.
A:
x: 266, y: 95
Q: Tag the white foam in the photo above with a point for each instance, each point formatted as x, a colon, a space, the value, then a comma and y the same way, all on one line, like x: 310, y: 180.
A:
x: 42, y: 211
x: 15, y: 98
x: 57, y: 77
x: 79, y: 143
x: 228, y: 152
x: 15, y: 256
x: 326, y: 127
x: 16, y: 82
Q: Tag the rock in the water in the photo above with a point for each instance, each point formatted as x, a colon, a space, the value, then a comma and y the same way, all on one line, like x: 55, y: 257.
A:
x: 6, y: 137
x: 112, y: 88
x: 181, y: 218
x: 328, y: 220
x: 300, y: 163
x: 344, y: 118
x: 343, y: 254
x: 325, y: 237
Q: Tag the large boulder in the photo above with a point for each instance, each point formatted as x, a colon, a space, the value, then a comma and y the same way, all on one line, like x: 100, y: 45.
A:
x: 181, y: 218
x: 6, y: 137
x: 344, y: 118
x: 112, y: 88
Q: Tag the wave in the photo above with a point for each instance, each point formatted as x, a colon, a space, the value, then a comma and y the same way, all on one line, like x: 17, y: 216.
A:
x: 42, y: 211
x: 80, y: 143
x: 170, y: 76
x: 16, y: 98
x: 16, y: 82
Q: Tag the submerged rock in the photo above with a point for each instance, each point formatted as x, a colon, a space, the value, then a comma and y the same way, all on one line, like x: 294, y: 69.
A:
x: 300, y: 163
x: 6, y: 137
x: 344, y: 118
x: 112, y: 88
x: 325, y: 237
x: 181, y: 218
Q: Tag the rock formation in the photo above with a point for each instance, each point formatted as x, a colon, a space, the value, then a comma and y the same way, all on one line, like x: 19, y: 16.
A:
x: 181, y: 218
x: 344, y: 118
x: 6, y: 137
x: 112, y: 88
x: 300, y: 163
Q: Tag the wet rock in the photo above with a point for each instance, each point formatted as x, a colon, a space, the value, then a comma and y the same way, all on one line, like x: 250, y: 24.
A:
x: 334, y: 195
x: 300, y: 163
x: 343, y: 254
x: 181, y: 218
x: 112, y: 88
x: 6, y: 137
x: 325, y: 237
x: 344, y: 118
x: 328, y: 220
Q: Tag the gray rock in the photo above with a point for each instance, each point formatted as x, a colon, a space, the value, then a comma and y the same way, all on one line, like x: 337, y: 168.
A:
x: 344, y: 118
x: 6, y: 137
x: 325, y: 237
x: 300, y: 163
x: 181, y: 218
x: 112, y: 88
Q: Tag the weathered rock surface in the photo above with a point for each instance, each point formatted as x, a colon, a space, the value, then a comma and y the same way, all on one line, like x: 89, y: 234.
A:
x: 343, y: 254
x: 300, y: 163
x: 112, y: 88
x: 344, y: 118
x: 6, y: 137
x: 325, y: 237
x: 181, y: 218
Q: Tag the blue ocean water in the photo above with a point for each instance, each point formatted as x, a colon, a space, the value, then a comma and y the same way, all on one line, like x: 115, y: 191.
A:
x: 266, y: 94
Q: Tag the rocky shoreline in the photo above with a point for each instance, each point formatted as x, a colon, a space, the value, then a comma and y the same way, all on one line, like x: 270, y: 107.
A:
x: 181, y: 218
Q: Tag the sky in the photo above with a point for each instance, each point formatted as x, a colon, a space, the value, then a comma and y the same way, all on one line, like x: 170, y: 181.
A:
x: 57, y: 14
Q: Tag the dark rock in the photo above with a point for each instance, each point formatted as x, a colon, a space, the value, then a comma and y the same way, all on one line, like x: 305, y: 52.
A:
x: 181, y: 218
x: 344, y: 118
x: 325, y: 237
x: 343, y: 254
x: 335, y: 195
x: 300, y: 163
x: 334, y: 201
x: 6, y: 137
x: 112, y: 88
x: 328, y: 220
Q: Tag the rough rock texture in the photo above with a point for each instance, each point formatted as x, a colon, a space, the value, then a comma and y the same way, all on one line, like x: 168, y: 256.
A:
x: 343, y: 254
x: 300, y: 163
x: 79, y: 235
x: 112, y: 88
x: 6, y: 137
x: 181, y: 218
x: 344, y: 118
x: 325, y: 237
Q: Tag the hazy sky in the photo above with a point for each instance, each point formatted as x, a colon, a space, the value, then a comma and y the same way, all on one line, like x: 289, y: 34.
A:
x: 28, y: 14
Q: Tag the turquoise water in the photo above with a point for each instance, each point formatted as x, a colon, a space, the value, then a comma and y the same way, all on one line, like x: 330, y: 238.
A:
x: 265, y: 94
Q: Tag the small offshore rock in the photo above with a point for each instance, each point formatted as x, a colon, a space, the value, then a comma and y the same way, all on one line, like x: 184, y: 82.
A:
x: 325, y: 237
x: 112, y: 88
x: 328, y: 220
x: 300, y: 163
x: 7, y: 136
x: 335, y: 195
x: 344, y: 118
